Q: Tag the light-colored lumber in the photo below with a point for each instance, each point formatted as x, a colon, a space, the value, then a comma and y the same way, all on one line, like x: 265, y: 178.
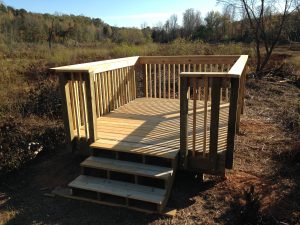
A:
x: 237, y: 69
x: 155, y: 91
x: 128, y: 167
x: 99, y: 66
x: 136, y: 148
x: 128, y: 190
x: 188, y: 59
x: 150, y: 80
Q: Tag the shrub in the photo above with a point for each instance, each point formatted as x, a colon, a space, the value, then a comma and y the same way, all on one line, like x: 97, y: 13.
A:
x: 44, y: 100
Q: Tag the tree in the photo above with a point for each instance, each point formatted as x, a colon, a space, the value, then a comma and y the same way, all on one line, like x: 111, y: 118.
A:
x: 191, y: 22
x: 213, y: 21
x: 267, y: 20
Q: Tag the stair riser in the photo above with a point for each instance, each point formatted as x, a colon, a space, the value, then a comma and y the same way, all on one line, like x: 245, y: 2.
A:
x: 133, y: 157
x: 109, y: 199
x: 126, y: 177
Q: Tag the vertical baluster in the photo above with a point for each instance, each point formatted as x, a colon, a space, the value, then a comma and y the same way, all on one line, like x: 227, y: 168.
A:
x: 97, y: 96
x: 110, y: 90
x: 188, y: 92
x: 78, y: 122
x: 123, y: 86
x: 129, y: 84
x: 118, y: 87
x: 169, y: 81
x: 155, y: 81
x: 72, y: 98
x: 174, y: 85
x: 85, y: 108
x: 100, y: 93
x: 164, y: 81
x: 104, y: 92
x: 205, y: 114
x: 134, y: 83
x: 146, y: 81
x: 159, y: 81
x: 211, y: 70
x: 80, y: 99
x: 199, y: 83
x: 126, y: 85
x: 107, y: 90
x: 150, y: 80
x: 221, y: 95
x: 113, y: 88
x: 194, y: 114
x: 227, y: 91
x: 179, y: 86
x: 199, y: 88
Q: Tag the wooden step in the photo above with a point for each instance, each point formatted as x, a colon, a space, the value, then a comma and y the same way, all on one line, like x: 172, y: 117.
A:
x: 128, y: 167
x: 136, y: 148
x: 120, y: 189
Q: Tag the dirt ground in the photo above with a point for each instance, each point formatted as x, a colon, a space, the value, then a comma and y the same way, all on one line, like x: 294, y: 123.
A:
x: 267, y: 157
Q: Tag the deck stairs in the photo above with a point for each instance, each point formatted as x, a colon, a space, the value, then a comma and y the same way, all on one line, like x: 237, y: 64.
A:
x: 119, y: 173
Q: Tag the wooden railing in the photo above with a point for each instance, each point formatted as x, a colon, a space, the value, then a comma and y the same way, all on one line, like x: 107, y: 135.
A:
x: 92, y: 90
x: 162, y: 73
x: 212, y: 130
x: 211, y: 83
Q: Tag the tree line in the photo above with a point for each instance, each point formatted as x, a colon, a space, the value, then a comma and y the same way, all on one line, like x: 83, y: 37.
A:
x: 18, y: 25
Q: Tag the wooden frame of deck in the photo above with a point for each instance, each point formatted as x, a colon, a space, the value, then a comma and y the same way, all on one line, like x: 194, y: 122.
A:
x: 95, y: 93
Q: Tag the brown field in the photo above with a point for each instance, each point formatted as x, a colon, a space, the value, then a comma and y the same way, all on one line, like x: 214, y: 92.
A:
x: 267, y: 157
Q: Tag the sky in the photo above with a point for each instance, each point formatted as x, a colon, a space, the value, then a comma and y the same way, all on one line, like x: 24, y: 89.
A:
x: 126, y: 13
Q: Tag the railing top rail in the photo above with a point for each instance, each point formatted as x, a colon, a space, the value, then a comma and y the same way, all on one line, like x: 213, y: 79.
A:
x: 234, y: 72
x: 237, y: 69
x: 99, y: 66
x: 189, y: 59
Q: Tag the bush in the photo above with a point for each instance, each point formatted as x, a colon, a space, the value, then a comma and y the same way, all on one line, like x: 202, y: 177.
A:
x: 22, y: 140
x: 44, y: 100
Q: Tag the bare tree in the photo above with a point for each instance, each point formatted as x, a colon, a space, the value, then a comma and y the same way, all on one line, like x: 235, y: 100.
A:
x: 191, y: 21
x: 266, y: 20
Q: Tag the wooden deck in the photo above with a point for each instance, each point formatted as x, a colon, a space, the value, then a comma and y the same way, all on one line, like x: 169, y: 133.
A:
x: 142, y: 118
x: 151, y: 127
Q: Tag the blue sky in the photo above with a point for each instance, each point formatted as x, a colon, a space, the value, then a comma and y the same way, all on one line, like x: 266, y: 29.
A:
x: 129, y: 13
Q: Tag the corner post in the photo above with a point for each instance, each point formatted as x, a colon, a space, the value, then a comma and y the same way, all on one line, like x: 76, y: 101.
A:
x: 67, y: 111
x: 214, y: 121
x: 183, y: 122
x: 91, y: 106
x: 232, y: 122
x: 241, y: 94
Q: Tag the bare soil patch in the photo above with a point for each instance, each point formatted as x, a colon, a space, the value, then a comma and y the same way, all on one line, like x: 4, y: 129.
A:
x: 267, y: 158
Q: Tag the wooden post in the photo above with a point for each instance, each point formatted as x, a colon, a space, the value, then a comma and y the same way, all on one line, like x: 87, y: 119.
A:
x: 91, y: 107
x: 232, y: 118
x: 240, y: 99
x: 183, y: 122
x: 67, y: 110
x: 214, y: 120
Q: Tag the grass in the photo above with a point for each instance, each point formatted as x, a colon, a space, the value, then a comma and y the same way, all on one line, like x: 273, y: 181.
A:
x: 30, y: 111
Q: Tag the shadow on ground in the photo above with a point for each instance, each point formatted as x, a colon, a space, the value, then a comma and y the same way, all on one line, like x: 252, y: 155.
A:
x: 24, y: 202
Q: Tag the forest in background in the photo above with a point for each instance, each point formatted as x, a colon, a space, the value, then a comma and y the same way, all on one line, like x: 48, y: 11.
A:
x: 18, y: 25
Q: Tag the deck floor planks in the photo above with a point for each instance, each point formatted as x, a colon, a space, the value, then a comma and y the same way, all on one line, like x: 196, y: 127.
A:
x: 151, y: 126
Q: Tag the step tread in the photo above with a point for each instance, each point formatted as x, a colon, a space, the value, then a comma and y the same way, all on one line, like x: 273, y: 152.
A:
x: 136, y: 148
x: 128, y: 167
x: 119, y: 188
